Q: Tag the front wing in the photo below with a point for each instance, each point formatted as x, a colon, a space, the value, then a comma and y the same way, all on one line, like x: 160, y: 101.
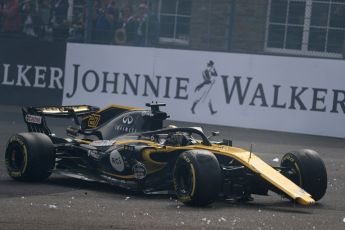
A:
x: 265, y: 171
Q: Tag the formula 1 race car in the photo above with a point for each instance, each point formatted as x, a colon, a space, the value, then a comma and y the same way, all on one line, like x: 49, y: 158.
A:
x: 128, y: 147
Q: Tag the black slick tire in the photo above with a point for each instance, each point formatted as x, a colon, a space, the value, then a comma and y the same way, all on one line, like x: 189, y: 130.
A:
x: 30, y: 156
x: 307, y: 170
x: 197, y: 178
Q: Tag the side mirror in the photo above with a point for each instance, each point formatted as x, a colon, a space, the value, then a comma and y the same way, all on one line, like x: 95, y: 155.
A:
x: 214, y: 134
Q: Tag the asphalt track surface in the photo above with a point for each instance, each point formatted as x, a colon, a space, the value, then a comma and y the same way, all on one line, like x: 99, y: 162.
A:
x: 65, y: 203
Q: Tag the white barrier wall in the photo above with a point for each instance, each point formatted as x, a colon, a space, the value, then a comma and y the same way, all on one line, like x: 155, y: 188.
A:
x: 301, y: 95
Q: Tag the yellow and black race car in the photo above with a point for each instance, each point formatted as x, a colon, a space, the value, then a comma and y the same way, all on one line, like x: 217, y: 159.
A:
x: 128, y: 147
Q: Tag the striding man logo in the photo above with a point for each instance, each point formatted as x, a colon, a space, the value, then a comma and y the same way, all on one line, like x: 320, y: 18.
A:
x: 204, y: 88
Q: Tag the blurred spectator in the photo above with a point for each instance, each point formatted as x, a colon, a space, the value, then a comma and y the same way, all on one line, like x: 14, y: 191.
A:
x: 96, y: 6
x: 44, y: 13
x: 11, y: 21
x: 127, y: 27
x: 142, y: 18
x: 140, y: 29
x: 114, y: 4
x: 76, y: 32
x: 153, y: 26
x: 30, y: 19
x: 106, y: 18
x: 136, y: 24
x: 59, y: 19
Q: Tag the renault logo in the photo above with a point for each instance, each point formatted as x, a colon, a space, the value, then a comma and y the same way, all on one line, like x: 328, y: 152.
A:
x: 127, y: 120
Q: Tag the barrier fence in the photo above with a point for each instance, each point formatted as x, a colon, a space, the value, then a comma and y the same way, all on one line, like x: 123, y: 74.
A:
x: 293, y: 94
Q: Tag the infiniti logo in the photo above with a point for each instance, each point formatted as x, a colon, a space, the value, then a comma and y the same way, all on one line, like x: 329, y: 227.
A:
x: 127, y: 120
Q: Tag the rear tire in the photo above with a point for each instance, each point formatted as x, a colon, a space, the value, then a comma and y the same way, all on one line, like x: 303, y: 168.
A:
x: 307, y: 170
x: 30, y: 156
x: 197, y: 178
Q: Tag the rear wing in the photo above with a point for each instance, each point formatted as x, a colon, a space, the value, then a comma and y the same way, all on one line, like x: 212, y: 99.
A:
x: 34, y: 117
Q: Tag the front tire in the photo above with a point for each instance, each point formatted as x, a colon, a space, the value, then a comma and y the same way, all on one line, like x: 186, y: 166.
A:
x: 307, y: 170
x: 197, y: 178
x: 30, y: 156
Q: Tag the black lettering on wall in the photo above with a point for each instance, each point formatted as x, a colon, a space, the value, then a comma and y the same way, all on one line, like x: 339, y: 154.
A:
x: 128, y: 81
x: 90, y: 74
x: 237, y: 85
x: 259, y: 94
x: 317, y: 98
x: 180, y: 87
x: 276, y: 98
x: 337, y: 101
x: 112, y: 81
x: 296, y: 97
x: 154, y: 88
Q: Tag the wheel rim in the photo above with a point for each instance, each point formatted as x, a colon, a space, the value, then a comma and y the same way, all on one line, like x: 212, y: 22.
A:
x: 184, y: 179
x: 293, y: 172
x: 16, y: 157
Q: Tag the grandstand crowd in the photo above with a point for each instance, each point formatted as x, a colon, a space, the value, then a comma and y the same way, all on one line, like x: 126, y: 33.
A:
x: 110, y: 21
